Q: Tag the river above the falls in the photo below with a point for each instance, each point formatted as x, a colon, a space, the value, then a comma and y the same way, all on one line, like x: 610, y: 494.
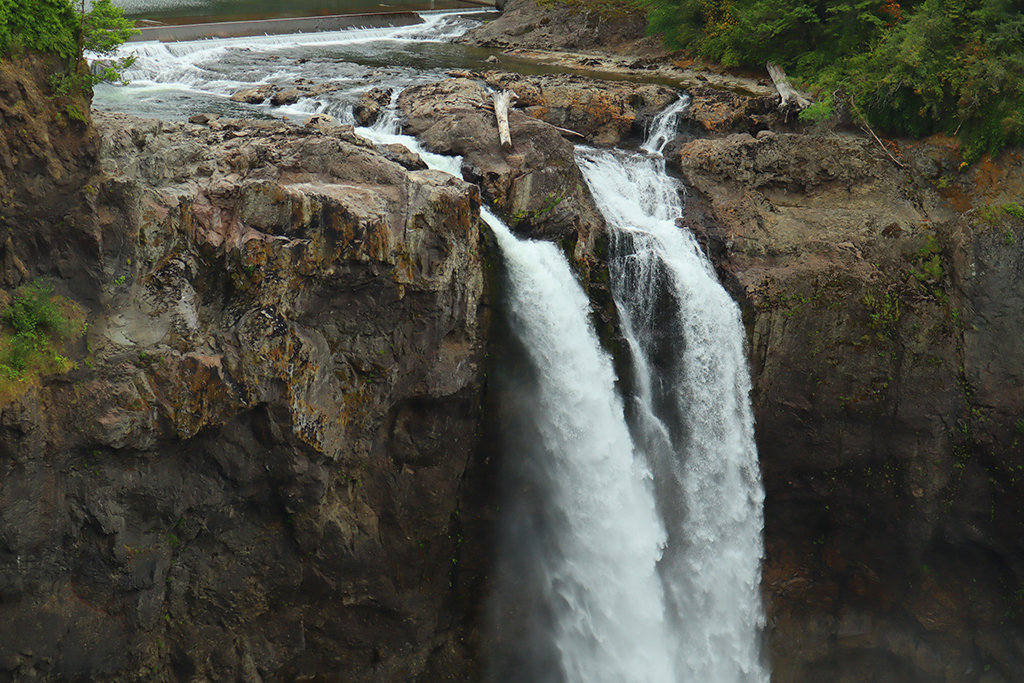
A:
x: 172, y: 81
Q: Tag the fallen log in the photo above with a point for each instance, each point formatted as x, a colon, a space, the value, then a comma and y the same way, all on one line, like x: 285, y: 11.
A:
x: 501, y: 103
x: 564, y: 131
x: 791, y: 99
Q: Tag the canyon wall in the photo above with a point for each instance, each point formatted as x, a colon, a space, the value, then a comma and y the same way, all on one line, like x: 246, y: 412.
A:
x: 268, y: 463
x: 884, y: 323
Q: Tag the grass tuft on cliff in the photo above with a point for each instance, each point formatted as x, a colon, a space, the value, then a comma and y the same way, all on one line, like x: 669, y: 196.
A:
x: 36, y: 324
x: 918, y: 67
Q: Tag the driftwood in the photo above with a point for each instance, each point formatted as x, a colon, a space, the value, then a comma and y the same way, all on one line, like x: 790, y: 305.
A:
x: 791, y: 99
x: 563, y: 131
x: 867, y: 129
x: 501, y: 102
x: 532, y: 120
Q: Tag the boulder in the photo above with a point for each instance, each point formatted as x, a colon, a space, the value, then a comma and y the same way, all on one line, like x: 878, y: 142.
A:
x: 286, y: 96
x: 602, y: 112
x: 256, y: 95
x: 537, y: 186
x: 321, y: 122
x: 724, y: 112
x: 370, y: 104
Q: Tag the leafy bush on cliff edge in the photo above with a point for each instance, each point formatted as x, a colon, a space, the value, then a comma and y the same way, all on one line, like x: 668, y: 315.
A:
x: 920, y: 67
x: 34, y: 327
x: 58, y: 27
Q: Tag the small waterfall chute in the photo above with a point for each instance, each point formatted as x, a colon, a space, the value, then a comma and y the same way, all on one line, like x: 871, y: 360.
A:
x: 693, y: 417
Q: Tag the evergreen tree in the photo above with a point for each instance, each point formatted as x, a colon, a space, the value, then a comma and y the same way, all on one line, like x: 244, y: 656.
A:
x: 917, y: 67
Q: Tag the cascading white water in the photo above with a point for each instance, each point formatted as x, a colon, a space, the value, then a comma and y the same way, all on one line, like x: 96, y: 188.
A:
x: 598, y: 570
x: 195, y: 62
x: 692, y: 414
x: 586, y: 550
x: 592, y: 544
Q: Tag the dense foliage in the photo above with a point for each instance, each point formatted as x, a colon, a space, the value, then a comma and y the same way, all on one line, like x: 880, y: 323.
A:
x: 43, y: 25
x: 920, y: 67
x: 32, y: 328
x: 58, y: 27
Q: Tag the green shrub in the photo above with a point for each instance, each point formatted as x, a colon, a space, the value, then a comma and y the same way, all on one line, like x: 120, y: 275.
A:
x: 917, y: 67
x: 819, y: 112
x: 35, y: 322
x: 44, y: 25
x: 1014, y: 209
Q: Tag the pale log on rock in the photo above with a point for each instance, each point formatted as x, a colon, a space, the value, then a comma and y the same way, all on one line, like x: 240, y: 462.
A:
x: 501, y: 103
x: 791, y: 99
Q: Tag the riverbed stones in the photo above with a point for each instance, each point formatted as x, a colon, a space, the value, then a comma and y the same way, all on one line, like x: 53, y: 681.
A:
x: 280, y: 95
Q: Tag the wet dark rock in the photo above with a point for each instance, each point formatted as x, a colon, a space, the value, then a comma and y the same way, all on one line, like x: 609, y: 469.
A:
x: 370, y: 105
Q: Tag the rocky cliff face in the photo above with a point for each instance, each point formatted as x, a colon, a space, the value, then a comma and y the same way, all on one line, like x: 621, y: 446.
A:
x: 268, y: 463
x: 885, y: 341
x: 47, y: 153
x: 272, y: 461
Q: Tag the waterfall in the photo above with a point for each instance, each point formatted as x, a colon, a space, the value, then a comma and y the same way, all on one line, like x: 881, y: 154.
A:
x: 625, y: 558
x: 631, y: 552
x: 578, y: 585
x: 691, y: 413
